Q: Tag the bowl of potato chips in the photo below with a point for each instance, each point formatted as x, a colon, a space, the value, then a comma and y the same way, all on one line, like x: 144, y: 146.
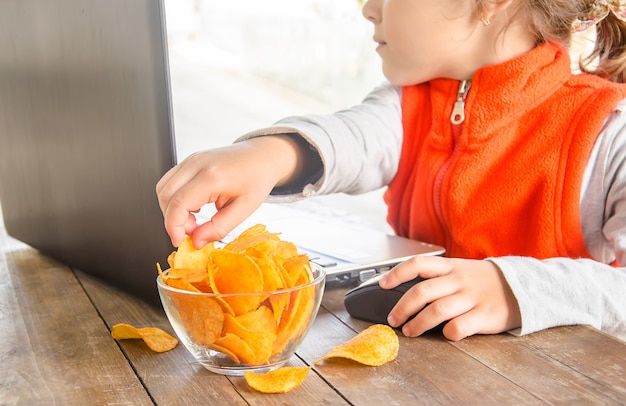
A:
x: 245, y: 306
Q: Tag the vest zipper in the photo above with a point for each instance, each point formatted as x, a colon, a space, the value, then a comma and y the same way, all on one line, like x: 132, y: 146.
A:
x: 458, y: 111
x: 456, y: 118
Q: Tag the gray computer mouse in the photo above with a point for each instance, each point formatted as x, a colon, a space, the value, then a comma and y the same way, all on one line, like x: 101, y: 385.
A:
x: 369, y: 302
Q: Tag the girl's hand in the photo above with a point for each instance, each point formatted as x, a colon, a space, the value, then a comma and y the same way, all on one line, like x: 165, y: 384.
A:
x: 472, y: 294
x: 237, y: 178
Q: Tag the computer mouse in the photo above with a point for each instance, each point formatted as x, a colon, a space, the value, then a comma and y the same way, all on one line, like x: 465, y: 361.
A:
x: 369, y: 302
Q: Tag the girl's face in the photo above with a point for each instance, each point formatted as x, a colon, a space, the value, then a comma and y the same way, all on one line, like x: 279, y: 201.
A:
x: 419, y: 40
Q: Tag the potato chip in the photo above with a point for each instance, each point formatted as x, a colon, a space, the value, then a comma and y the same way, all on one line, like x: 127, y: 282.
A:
x: 237, y: 346
x: 295, y: 318
x: 279, y: 303
x: 255, y: 230
x: 280, y: 380
x: 226, y: 351
x: 202, y: 316
x: 272, y: 279
x: 181, y: 284
x: 254, y: 235
x: 124, y: 331
x: 237, y: 273
x: 155, y: 338
x: 296, y: 266
x: 260, y: 319
x: 288, y: 283
x: 374, y: 346
x: 257, y: 329
x: 199, y: 278
x: 279, y: 250
x: 186, y: 279
x: 285, y: 250
x: 188, y: 257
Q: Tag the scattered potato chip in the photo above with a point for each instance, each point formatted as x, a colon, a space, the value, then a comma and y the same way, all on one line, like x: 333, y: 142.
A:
x: 374, y: 346
x: 155, y: 338
x: 280, y: 380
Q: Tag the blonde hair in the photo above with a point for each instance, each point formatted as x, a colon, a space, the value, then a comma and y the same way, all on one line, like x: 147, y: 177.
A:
x: 609, y: 50
x: 553, y: 20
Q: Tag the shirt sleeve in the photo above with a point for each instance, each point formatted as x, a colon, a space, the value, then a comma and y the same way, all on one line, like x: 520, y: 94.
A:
x: 359, y: 148
x: 565, y: 291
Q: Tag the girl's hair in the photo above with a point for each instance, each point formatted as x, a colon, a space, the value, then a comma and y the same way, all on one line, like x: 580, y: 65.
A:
x: 553, y: 20
x: 610, y: 48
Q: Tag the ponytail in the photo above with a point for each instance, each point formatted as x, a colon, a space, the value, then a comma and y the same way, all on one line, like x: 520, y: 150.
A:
x: 608, y: 57
x: 557, y: 20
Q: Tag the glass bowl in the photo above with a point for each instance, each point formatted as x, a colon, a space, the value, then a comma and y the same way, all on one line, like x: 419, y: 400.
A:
x: 260, y: 339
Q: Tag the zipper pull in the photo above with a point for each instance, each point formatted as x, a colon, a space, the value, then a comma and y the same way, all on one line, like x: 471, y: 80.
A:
x: 458, y: 112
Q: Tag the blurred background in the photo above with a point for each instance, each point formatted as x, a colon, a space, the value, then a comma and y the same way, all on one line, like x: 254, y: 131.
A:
x: 240, y: 65
x: 243, y: 64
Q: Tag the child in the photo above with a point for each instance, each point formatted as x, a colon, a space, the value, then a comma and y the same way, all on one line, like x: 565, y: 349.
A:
x: 489, y: 146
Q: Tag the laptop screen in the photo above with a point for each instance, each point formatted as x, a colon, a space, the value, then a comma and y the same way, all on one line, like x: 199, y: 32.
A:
x: 86, y: 132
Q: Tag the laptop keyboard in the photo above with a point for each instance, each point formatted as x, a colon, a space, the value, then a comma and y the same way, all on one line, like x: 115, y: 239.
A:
x: 322, y: 260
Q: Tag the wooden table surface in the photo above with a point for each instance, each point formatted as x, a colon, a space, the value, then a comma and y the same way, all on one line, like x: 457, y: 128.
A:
x: 56, y: 349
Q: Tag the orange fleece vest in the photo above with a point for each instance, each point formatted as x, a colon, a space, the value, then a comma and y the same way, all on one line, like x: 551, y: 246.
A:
x: 507, y: 180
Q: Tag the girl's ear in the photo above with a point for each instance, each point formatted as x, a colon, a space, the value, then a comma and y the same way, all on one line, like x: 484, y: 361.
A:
x: 490, y: 8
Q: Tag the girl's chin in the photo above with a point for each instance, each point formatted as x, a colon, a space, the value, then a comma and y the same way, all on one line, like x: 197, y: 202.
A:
x: 402, y: 77
x: 395, y: 79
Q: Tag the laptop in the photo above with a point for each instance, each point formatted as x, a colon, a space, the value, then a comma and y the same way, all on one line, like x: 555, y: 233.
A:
x: 85, y: 134
x: 348, y: 252
x: 86, y: 131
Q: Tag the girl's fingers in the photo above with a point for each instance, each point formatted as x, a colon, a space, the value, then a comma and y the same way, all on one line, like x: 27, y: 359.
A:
x: 178, y: 222
x: 171, y: 182
x: 466, y: 325
x: 446, y: 308
x: 224, y: 221
x: 418, y: 297
x: 424, y: 266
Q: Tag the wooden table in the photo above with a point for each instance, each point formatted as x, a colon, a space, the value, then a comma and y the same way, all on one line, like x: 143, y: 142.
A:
x: 56, y: 349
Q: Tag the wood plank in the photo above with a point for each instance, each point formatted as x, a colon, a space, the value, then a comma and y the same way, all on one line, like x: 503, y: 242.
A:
x: 540, y: 373
x: 313, y: 391
x: 427, y: 371
x: 568, y: 364
x: 592, y: 353
x: 54, y: 348
x: 174, y: 376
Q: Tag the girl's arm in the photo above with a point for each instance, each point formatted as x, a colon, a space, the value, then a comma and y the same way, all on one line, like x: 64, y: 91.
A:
x: 359, y: 147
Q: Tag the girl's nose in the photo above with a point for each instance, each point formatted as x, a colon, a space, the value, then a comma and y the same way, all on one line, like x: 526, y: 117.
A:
x: 371, y: 11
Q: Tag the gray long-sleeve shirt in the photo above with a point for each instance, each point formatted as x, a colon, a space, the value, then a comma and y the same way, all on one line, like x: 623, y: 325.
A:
x: 360, y: 151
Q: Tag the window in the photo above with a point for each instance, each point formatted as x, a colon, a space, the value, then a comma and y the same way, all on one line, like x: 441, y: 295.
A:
x: 239, y: 65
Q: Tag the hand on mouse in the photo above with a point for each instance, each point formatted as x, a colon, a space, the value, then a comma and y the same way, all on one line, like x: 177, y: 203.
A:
x: 472, y: 294
x: 237, y: 178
